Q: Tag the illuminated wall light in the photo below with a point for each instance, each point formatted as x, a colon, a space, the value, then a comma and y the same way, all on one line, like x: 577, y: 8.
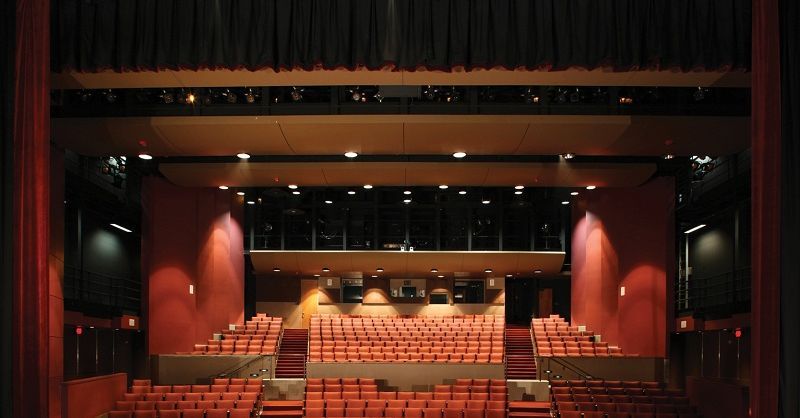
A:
x: 379, y: 269
x: 459, y: 154
x: 351, y: 192
x: 669, y: 156
x: 251, y: 202
x: 145, y: 156
x: 276, y: 269
x: 240, y: 193
x: 406, y: 201
x: 441, y: 276
x: 329, y: 202
x: 519, y: 187
x: 487, y: 271
x: 462, y: 192
x: 325, y: 269
x: 351, y: 154
x: 374, y: 276
x: 590, y: 187
x: 565, y: 202
x: 367, y: 186
x: 486, y: 201
x: 573, y: 193
x: 243, y: 155
x: 568, y: 156
x: 537, y: 271
x: 292, y: 186
x: 296, y: 192
x: 407, y: 192
x: 434, y: 270
x: 518, y: 192
x: 223, y: 187
x: 443, y: 186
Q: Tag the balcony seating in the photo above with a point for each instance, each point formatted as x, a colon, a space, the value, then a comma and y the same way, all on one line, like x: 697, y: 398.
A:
x: 258, y: 336
x: 618, y: 399
x: 225, y: 398
x: 414, y: 339
x: 556, y: 338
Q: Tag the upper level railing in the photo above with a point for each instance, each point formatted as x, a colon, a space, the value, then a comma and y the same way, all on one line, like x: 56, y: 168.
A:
x: 724, y: 293
x: 115, y: 295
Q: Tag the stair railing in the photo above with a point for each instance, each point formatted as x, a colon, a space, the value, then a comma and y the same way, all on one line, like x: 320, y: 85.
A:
x: 583, y: 374
x: 241, y: 366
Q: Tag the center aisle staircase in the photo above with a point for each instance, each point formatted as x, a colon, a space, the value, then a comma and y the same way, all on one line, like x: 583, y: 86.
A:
x: 522, y: 409
x: 292, y: 354
x: 520, y: 362
x: 282, y: 409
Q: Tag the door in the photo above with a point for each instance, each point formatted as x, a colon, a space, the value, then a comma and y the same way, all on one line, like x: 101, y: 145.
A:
x: 309, y: 299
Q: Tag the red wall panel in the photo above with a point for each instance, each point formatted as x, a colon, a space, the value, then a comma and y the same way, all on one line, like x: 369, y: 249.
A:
x: 92, y: 397
x: 624, y: 237
x: 192, y: 237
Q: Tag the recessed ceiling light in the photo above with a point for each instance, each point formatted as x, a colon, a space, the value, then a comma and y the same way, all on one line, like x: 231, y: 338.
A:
x: 434, y: 270
x: 487, y: 271
x: 223, y: 187
x: 459, y: 154
x: 486, y: 201
x: 407, y: 192
x: 406, y: 201
x: 351, y: 192
x: 508, y: 275
x: 591, y: 187
x: 250, y: 202
x: 292, y: 186
x: 296, y: 192
x: 518, y: 192
x: 574, y: 193
x: 442, y: 186
x: 367, y: 186
x: 374, y: 276
x: 276, y: 269
x: 351, y: 154
x: 329, y: 202
x: 669, y: 156
x: 240, y: 193
x: 519, y: 187
x: 121, y: 228
x: 325, y: 269
x: 566, y: 202
x: 379, y: 269
x: 316, y: 275
x: 440, y: 276
x: 538, y: 271
x: 145, y: 156
x: 243, y: 155
x: 462, y: 192
x: 568, y: 156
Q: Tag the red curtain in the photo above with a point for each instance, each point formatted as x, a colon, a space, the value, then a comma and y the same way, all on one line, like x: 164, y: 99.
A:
x: 31, y: 134
x: 766, y: 197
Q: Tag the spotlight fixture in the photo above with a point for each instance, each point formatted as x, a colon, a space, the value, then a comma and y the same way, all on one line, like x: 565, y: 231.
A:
x: 243, y: 155
x: 625, y: 100
x: 530, y: 96
x: 406, y: 201
x: 575, y: 95
x: 379, y: 269
x: 190, y: 98
x: 487, y: 270
x: 295, y: 192
x: 85, y: 95
x: 378, y: 96
x: 459, y: 154
x: 689, y: 231
x: 230, y: 96
x: 699, y: 95
x: 407, y: 192
x: 351, y: 192
x: 167, y: 97
x: 434, y: 270
x: 462, y: 192
x: 249, y: 96
x: 251, y: 202
x: 509, y: 275
x: 292, y: 186
x: 329, y: 202
x: 518, y: 192
x: 573, y: 193
x: 591, y: 187
x: 145, y: 156
x: 367, y: 186
x: 356, y: 95
x: 565, y: 202
x: 351, y: 154
x: 296, y: 94
x: 325, y: 269
x: 223, y: 187
x: 561, y: 96
x: 443, y: 186
x: 111, y: 97
x: 669, y: 156
x: 486, y: 201
x: 276, y: 269
x: 568, y: 156
x: 240, y: 193
x: 519, y: 187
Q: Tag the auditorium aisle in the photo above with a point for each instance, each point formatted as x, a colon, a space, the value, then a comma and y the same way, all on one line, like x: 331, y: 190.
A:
x: 520, y: 362
x: 282, y: 409
x: 521, y: 409
x: 292, y: 354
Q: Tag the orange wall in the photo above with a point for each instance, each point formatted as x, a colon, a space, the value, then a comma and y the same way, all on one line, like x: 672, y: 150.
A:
x: 192, y: 236
x: 88, y: 398
x: 625, y: 237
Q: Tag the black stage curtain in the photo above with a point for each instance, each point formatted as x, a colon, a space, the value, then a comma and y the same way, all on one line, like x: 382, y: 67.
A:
x: 790, y: 221
x: 92, y: 35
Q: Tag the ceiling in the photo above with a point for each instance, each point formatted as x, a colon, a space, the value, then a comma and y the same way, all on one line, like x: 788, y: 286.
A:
x: 405, y: 263
x: 497, y: 76
x: 595, y: 135
x: 322, y: 174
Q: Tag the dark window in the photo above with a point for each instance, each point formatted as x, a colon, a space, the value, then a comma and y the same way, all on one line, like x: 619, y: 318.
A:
x: 468, y: 291
x: 438, y: 299
x: 352, y: 291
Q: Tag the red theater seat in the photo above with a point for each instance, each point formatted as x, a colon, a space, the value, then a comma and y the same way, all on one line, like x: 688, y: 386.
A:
x: 413, y: 413
x: 217, y: 413
x: 171, y: 413
x: 393, y: 412
x: 239, y: 413
x: 120, y: 414
x: 432, y: 413
x: 495, y: 413
x: 144, y: 414
x: 192, y: 413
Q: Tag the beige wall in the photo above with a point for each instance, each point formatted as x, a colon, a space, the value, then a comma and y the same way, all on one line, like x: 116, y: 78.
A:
x: 418, y: 377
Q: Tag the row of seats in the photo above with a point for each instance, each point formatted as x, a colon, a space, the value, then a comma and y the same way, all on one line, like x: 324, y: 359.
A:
x: 554, y: 337
x: 409, y: 318
x: 405, y: 413
x: 478, y: 396
x: 463, y: 388
x: 493, y: 358
x: 196, y: 388
x: 598, y: 383
x: 603, y: 390
x: 168, y: 405
x: 185, y: 413
x: 624, y: 407
x: 191, y: 396
x: 597, y: 414
x: 404, y: 403
x: 258, y: 336
x: 620, y: 399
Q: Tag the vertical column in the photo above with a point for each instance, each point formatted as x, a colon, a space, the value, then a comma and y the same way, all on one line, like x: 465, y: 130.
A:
x: 56, y: 284
x: 31, y: 183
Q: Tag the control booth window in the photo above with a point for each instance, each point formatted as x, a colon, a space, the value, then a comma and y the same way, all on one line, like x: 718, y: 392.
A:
x: 438, y: 299
x: 352, y: 290
x: 468, y: 291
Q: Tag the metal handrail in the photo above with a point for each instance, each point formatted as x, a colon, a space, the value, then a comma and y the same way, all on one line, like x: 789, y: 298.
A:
x: 571, y: 367
x: 713, y: 292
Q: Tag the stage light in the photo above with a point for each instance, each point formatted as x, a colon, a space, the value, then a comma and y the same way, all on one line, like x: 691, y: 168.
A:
x: 591, y: 187
x: 167, y: 97
x: 699, y: 95
x: 240, y: 193
x: 111, y: 97
x: 443, y: 186
x: 561, y: 96
x: 251, y: 202
x: 145, y: 156
x: 487, y: 270
x: 530, y: 96
x: 379, y: 269
x: 575, y: 95
x: 459, y: 154
x: 669, y: 156
x: 519, y: 187
x: 378, y: 96
x: 276, y: 269
x: 367, y: 186
x: 462, y: 192
x: 329, y: 202
x: 351, y: 192
x: 407, y: 192
x: 573, y: 193
x: 292, y: 186
x: 486, y: 201
x: 230, y: 96
x: 565, y: 202
x: 325, y: 269
x: 190, y: 98
x: 85, y: 95
x: 406, y: 201
x: 249, y: 96
x: 508, y: 275
x: 295, y: 192
x: 121, y: 228
x: 296, y: 94
x: 568, y: 156
x: 351, y: 154
x: 689, y: 231
x: 356, y: 95
x: 223, y: 187
x: 625, y: 100
x: 243, y: 155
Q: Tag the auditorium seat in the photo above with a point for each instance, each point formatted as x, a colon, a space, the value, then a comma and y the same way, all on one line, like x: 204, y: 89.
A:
x: 239, y: 413
x: 120, y: 414
x: 414, y: 413
x: 171, y: 413
x: 144, y: 414
x: 216, y: 413
x: 192, y: 413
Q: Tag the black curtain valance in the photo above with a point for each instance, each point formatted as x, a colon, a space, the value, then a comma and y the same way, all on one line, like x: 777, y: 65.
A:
x: 92, y: 35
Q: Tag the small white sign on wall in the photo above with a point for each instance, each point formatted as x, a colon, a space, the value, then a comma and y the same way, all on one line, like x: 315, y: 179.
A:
x: 622, y: 291
x: 191, y: 289
x: 131, y: 322
x: 330, y: 282
x: 683, y: 324
x: 491, y: 282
